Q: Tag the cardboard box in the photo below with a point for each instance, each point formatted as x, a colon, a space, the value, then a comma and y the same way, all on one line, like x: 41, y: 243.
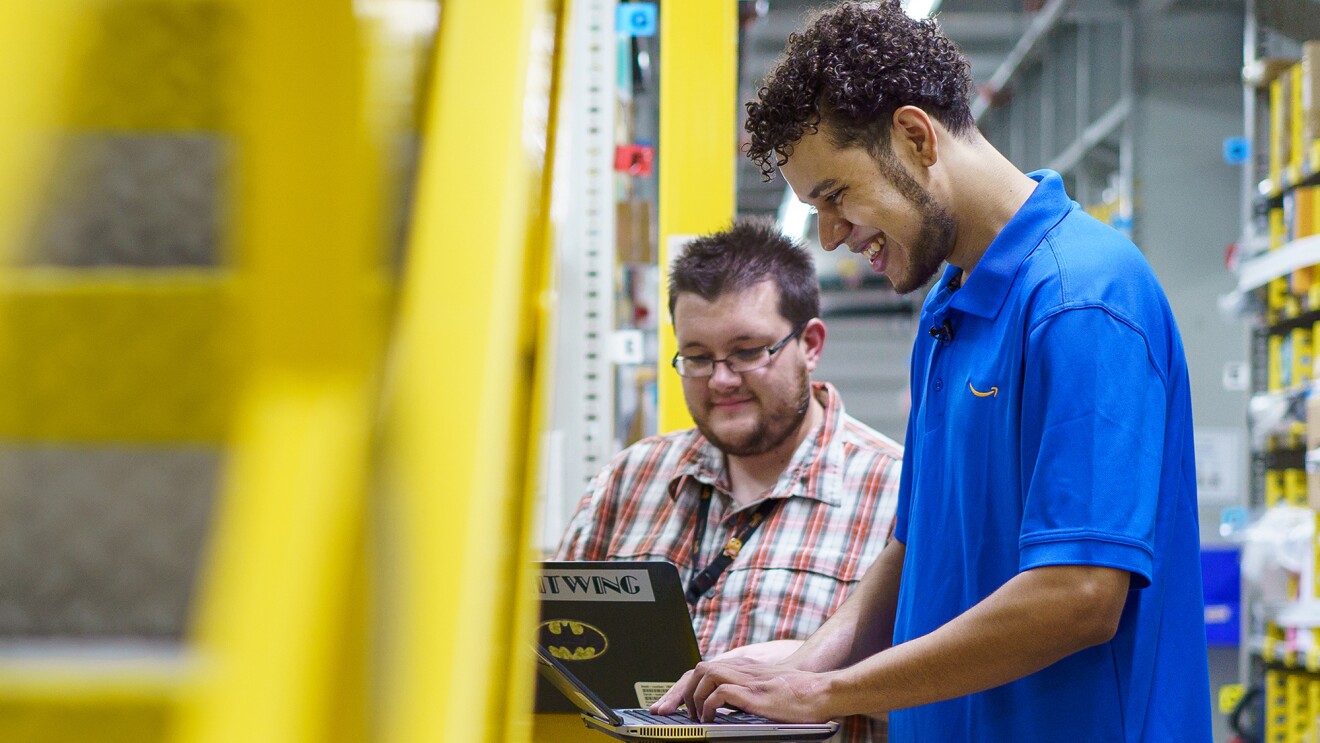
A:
x: 1301, y: 355
x: 1280, y: 130
x: 1308, y: 69
x: 1278, y: 229
x: 1261, y: 72
x: 632, y: 221
x: 1306, y: 221
x: 1273, y: 487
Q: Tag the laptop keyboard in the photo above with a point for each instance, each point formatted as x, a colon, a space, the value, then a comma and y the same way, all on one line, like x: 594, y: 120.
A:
x: 681, y: 718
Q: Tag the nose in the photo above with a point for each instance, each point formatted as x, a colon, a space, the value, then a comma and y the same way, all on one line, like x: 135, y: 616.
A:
x: 834, y: 230
x: 723, y: 378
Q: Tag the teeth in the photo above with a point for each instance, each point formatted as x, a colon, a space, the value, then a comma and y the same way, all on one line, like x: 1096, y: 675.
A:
x: 873, y: 249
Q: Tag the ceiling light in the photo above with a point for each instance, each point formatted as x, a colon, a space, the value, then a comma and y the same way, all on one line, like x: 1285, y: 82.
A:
x: 921, y: 8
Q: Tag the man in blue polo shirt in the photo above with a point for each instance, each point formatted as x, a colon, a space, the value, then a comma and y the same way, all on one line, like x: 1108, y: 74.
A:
x: 1043, y: 583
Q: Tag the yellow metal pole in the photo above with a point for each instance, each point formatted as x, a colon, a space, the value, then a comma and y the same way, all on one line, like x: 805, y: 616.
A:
x: 273, y: 626
x: 698, y: 150
x: 540, y: 308
x: 458, y: 426
x: 40, y: 40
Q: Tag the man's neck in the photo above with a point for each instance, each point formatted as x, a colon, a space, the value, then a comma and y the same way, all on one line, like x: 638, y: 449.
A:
x: 752, y: 477
x: 989, y: 192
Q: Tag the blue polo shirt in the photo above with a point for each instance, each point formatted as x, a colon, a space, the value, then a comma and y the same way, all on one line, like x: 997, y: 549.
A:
x: 1054, y: 427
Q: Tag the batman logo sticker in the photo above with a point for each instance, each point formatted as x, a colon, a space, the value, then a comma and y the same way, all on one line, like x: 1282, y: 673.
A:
x: 570, y: 640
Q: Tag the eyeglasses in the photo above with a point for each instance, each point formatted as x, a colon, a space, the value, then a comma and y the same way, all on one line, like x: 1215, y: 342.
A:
x: 739, y: 362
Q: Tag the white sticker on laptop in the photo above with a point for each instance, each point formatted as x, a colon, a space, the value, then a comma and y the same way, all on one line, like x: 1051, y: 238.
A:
x: 596, y: 585
x: 649, y: 692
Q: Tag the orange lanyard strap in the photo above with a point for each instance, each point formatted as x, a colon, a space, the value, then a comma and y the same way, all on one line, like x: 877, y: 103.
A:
x: 706, y: 579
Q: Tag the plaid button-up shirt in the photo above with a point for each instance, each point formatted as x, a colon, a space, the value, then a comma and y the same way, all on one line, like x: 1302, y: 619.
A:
x: 837, y: 495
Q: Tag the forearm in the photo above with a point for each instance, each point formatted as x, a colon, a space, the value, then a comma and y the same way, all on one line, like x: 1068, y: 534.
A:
x: 773, y: 651
x: 1036, y: 619
x: 864, y: 623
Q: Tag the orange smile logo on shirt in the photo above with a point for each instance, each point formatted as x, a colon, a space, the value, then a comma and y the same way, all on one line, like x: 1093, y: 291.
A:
x: 994, y: 391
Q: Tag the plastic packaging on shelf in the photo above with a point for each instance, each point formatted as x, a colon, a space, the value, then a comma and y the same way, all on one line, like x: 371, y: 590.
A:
x: 1275, y: 414
x: 1276, y: 548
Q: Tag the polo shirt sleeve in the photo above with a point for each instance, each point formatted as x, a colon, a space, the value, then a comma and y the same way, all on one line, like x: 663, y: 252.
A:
x: 1093, y: 411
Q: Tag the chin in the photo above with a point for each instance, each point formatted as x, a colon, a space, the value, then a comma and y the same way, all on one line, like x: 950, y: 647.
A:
x: 730, y: 439
x: 736, y: 437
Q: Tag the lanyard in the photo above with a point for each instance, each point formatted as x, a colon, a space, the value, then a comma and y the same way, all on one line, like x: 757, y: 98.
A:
x: 706, y: 579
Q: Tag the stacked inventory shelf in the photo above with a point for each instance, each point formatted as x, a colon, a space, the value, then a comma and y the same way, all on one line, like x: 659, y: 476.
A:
x: 1283, y: 639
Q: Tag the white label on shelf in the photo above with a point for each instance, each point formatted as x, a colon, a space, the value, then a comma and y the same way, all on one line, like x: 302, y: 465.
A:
x: 1237, y: 376
x: 627, y: 347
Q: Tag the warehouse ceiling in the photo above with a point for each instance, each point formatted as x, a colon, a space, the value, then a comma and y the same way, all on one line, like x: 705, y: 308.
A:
x: 985, y: 30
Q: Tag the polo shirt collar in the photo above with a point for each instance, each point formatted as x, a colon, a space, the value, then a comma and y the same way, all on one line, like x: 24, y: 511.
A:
x: 813, y: 472
x: 984, y: 290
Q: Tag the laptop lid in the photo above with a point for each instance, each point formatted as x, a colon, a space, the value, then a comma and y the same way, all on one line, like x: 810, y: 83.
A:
x: 623, y: 628
x: 586, y: 701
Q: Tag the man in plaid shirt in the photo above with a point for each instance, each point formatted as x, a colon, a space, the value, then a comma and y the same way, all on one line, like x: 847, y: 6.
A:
x: 800, y: 493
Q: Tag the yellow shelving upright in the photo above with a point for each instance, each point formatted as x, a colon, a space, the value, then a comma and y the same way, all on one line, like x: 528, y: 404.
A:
x: 461, y: 413
x: 366, y: 574
x: 99, y: 362
x: 698, y: 82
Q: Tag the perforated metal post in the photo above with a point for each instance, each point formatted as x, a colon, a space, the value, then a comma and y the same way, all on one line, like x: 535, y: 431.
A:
x: 582, y: 438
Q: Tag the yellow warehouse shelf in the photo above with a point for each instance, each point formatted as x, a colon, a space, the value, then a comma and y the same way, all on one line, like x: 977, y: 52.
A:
x: 115, y: 355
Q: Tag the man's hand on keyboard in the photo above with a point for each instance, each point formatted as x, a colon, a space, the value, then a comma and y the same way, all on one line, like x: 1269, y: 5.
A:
x: 777, y: 692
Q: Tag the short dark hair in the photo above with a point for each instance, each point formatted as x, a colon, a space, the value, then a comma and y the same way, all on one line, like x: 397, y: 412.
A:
x: 853, y: 66
x: 745, y: 254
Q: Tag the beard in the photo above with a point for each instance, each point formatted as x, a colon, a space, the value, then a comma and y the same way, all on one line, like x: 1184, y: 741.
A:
x: 934, y: 242
x: 931, y: 248
x: 777, y: 421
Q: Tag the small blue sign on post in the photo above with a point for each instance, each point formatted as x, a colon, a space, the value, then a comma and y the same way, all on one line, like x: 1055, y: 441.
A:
x: 635, y: 19
x: 1236, y: 150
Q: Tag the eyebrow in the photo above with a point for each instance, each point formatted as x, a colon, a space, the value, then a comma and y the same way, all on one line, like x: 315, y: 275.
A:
x: 820, y: 187
x: 740, y: 339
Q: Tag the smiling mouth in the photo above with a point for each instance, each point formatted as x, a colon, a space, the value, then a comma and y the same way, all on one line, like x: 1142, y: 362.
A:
x: 873, y: 248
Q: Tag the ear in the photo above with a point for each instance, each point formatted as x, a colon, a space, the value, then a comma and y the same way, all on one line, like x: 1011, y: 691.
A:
x: 915, y: 135
x: 813, y: 341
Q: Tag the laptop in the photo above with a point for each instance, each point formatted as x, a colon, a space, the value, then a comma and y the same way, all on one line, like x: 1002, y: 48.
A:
x: 640, y: 724
x: 623, y: 628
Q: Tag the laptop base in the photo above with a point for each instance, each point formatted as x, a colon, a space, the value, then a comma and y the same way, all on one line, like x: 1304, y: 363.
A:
x: 741, y: 733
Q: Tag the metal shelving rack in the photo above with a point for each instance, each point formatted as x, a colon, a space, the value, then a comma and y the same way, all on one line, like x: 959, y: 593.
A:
x: 1289, y: 681
x: 581, y: 435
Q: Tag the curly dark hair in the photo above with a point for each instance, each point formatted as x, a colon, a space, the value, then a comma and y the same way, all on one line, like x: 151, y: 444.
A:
x: 748, y: 252
x: 851, y: 68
